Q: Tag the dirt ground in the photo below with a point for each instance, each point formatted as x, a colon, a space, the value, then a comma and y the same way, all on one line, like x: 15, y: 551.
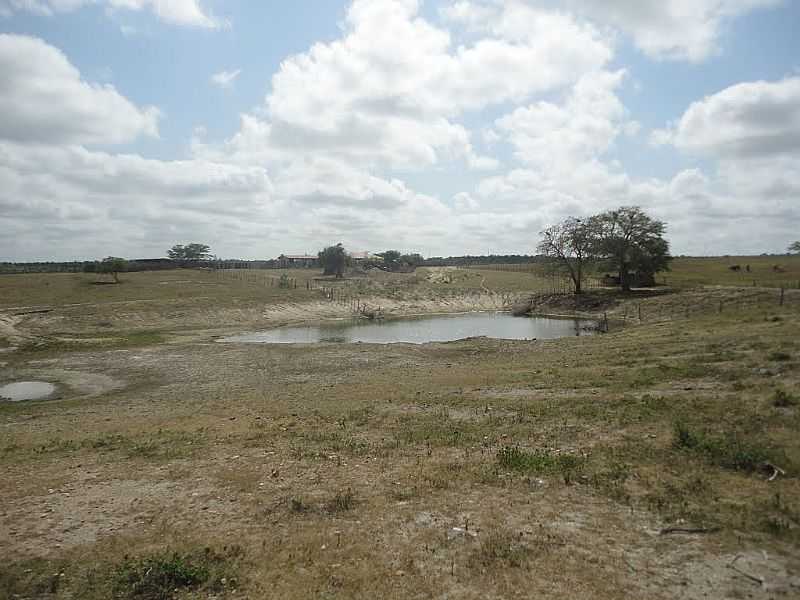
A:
x: 659, y: 460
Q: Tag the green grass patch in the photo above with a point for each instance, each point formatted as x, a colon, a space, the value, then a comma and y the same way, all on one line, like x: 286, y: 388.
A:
x: 165, y: 575
x: 161, y: 444
x: 514, y: 458
x: 730, y: 450
x: 783, y: 399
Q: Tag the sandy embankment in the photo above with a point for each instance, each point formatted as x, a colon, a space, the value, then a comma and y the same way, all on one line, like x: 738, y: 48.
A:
x: 302, y: 312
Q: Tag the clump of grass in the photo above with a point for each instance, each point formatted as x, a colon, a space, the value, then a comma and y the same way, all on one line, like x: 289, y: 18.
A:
x: 515, y: 458
x: 611, y: 481
x: 779, y: 518
x: 783, y: 399
x: 779, y: 356
x: 729, y: 450
x: 163, y: 576
x: 297, y: 506
x: 500, y: 549
x: 341, y: 502
x: 31, y: 578
x: 56, y: 445
x: 159, y: 576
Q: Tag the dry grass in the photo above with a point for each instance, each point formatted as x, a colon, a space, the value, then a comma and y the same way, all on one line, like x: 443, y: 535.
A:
x: 473, y: 469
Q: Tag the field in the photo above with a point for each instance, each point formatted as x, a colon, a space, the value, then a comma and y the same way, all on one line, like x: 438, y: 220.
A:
x: 764, y: 271
x: 659, y: 460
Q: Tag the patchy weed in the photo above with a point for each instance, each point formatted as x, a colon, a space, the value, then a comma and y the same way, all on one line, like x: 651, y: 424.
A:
x: 729, y: 450
x: 341, y: 502
x: 783, y: 399
x: 540, y: 461
x: 500, y: 549
x: 162, y: 576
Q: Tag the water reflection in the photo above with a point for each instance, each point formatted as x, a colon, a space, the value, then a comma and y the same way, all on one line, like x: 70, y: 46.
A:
x: 26, y: 390
x: 424, y: 329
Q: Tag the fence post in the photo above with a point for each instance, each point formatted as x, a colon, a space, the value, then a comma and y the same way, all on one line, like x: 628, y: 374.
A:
x: 640, y: 313
x: 781, y: 302
x: 720, y: 307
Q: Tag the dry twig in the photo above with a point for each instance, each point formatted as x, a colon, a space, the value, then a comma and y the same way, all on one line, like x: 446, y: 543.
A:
x: 669, y: 530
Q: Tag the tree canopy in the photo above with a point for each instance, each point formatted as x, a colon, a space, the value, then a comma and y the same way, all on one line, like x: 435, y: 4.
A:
x: 333, y: 260
x: 391, y: 258
x: 626, y: 239
x: 414, y: 259
x: 189, y: 252
x: 632, y: 241
x: 794, y: 247
x: 571, y: 244
x: 112, y: 265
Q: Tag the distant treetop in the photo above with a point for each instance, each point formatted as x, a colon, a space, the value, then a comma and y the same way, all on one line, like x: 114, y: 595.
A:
x: 189, y: 252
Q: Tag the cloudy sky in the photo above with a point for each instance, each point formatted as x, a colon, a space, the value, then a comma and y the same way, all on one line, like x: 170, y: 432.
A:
x: 439, y: 126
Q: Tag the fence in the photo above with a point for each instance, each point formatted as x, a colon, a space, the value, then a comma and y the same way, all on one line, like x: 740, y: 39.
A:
x: 339, y: 295
x: 258, y: 277
x: 510, y: 268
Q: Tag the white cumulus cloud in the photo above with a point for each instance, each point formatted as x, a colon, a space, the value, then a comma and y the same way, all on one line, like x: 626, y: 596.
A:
x: 177, y: 12
x: 662, y: 29
x: 44, y: 99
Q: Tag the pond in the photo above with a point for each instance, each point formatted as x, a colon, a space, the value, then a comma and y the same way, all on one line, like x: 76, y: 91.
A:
x: 420, y: 330
x: 26, y: 390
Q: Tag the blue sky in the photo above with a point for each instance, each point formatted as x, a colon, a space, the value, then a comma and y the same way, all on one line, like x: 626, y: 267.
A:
x: 442, y: 127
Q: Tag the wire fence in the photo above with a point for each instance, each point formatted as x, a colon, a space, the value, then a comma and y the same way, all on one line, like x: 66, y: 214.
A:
x: 341, y: 294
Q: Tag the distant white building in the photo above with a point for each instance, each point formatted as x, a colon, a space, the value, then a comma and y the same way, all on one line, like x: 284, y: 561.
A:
x: 363, y: 256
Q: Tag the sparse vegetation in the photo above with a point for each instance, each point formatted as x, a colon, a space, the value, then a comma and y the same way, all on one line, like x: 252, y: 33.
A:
x: 342, y: 501
x: 479, y: 461
x: 783, y: 399
x: 730, y: 450
x: 165, y: 575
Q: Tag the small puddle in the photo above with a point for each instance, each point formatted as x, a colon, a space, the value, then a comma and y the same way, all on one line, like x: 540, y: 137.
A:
x: 27, y: 390
x: 422, y: 330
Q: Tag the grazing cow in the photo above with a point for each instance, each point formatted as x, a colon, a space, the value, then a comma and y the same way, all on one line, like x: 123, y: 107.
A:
x: 736, y: 268
x: 778, y: 269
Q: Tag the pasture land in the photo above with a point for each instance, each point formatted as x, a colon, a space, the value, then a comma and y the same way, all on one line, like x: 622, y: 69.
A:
x: 717, y: 271
x: 764, y: 271
x: 659, y: 460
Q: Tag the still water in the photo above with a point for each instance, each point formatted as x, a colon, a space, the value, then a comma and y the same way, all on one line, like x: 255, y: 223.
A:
x: 423, y: 329
x: 26, y: 390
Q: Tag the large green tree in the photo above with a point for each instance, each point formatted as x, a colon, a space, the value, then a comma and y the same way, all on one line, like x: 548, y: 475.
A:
x: 333, y: 260
x: 632, y: 242
x: 189, y: 252
x: 570, y: 245
x: 794, y: 247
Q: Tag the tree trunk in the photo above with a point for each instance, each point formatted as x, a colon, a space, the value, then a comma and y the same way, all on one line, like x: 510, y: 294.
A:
x: 624, y: 278
x: 576, y: 280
